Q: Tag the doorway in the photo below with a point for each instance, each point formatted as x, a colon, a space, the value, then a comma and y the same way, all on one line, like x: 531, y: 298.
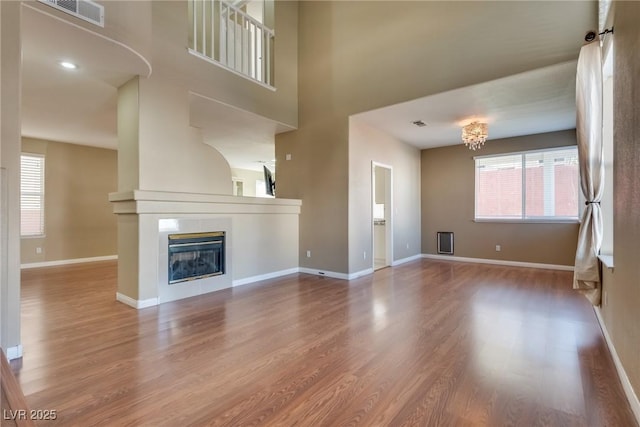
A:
x: 381, y: 214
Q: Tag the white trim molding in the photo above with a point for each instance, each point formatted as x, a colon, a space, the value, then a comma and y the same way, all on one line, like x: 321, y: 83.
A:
x: 360, y: 273
x: 266, y: 276
x: 324, y: 273
x: 406, y: 260
x: 14, y: 352
x: 500, y: 262
x: 336, y: 275
x: 173, y: 203
x: 622, y: 374
x: 67, y: 261
x: 137, y: 304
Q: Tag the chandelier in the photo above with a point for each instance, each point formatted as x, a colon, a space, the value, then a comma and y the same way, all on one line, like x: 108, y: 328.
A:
x: 474, y: 135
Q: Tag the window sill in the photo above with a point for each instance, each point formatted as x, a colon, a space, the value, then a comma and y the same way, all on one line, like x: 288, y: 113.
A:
x: 528, y: 221
x: 38, y: 236
x: 606, y: 260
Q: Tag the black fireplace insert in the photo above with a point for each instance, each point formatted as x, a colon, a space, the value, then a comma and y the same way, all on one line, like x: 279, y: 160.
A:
x: 196, y: 256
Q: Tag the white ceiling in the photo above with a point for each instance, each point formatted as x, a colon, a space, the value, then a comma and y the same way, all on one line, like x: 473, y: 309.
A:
x: 245, y: 139
x: 77, y: 106
x: 537, y: 101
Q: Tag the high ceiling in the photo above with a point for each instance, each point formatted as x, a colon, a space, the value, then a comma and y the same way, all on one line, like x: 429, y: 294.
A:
x: 79, y: 106
x: 245, y: 139
x: 537, y: 101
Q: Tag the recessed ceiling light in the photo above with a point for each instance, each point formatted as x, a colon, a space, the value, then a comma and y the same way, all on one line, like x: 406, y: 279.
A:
x: 68, y: 65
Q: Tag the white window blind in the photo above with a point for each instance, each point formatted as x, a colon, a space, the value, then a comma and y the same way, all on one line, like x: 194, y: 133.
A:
x: 531, y: 185
x: 31, y: 195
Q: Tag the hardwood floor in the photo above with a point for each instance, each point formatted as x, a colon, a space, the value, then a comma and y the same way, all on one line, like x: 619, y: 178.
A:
x: 429, y: 343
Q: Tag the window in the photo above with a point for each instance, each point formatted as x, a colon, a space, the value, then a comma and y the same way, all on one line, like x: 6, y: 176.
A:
x: 531, y: 185
x: 31, y: 195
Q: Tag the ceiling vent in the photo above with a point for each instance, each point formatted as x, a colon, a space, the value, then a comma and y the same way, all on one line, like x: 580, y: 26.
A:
x: 419, y: 123
x: 84, y: 9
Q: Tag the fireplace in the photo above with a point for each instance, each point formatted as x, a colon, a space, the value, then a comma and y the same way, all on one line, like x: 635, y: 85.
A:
x: 196, y: 255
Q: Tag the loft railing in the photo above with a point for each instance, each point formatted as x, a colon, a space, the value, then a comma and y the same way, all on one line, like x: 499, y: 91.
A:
x: 228, y: 36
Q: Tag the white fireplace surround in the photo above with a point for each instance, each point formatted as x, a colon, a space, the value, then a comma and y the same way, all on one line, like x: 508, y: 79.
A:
x: 190, y: 288
x: 261, y: 241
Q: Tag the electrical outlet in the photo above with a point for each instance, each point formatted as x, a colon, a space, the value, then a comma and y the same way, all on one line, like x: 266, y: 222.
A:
x: 308, y: 254
x: 407, y: 246
x: 498, y: 248
x: 605, y: 298
x: 38, y: 250
x: 364, y: 255
x: 288, y: 156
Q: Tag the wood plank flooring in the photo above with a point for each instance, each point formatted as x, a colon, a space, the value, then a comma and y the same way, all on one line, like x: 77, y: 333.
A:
x: 429, y: 343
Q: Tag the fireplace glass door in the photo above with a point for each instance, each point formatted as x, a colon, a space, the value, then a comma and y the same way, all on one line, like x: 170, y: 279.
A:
x: 196, y: 255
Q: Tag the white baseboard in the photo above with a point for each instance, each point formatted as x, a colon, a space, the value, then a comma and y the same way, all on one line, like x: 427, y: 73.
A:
x: 406, y: 260
x: 266, y: 276
x: 335, y: 275
x: 622, y: 374
x: 14, y: 352
x: 67, y: 261
x: 500, y: 262
x: 324, y: 273
x: 137, y: 304
x: 360, y: 273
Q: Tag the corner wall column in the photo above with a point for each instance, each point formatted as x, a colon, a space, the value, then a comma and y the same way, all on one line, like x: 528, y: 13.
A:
x: 128, y: 180
x: 10, y: 147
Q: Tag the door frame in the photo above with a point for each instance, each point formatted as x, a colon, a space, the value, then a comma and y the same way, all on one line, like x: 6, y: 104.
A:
x: 388, y: 213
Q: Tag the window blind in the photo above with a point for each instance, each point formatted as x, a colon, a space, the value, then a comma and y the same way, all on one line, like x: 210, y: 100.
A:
x: 31, y: 195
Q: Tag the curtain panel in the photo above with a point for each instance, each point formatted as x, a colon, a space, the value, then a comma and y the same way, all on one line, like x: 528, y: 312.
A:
x: 586, y: 278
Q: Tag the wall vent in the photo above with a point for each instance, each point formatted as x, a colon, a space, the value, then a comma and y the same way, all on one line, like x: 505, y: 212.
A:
x: 445, y: 242
x: 84, y: 9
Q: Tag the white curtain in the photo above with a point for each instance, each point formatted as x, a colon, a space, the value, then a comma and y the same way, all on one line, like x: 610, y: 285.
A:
x: 586, y: 278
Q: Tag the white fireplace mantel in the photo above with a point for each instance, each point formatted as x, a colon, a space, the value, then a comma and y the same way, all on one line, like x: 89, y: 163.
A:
x: 164, y: 202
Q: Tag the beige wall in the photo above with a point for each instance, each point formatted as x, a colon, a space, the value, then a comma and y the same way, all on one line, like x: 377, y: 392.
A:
x: 79, y: 222
x: 621, y: 314
x: 367, y: 145
x: 128, y: 135
x: 356, y: 56
x: 10, y: 176
x: 158, y: 149
x: 448, y: 200
x: 172, y: 154
x: 318, y: 174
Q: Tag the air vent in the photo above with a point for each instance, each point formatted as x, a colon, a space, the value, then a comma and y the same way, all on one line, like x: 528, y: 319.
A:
x: 419, y: 123
x: 445, y: 242
x: 83, y: 9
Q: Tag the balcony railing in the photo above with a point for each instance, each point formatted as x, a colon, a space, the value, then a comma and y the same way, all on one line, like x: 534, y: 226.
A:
x: 228, y: 36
